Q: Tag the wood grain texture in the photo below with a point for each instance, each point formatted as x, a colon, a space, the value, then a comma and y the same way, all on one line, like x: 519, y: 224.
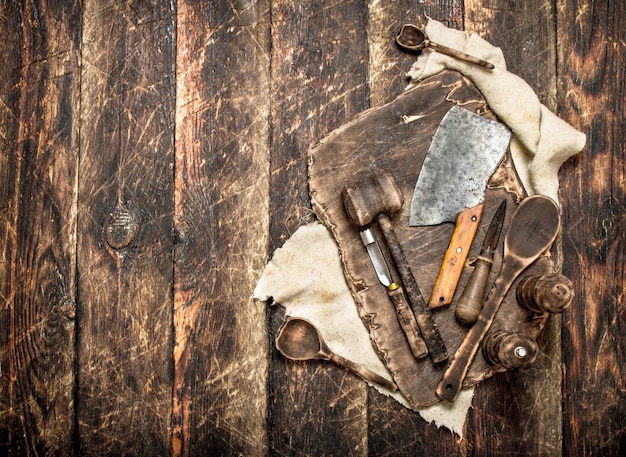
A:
x: 592, y: 54
x: 122, y: 120
x: 126, y: 198
x: 319, y: 81
x: 38, y: 162
x: 387, y: 64
x: 221, y: 220
x: 525, y: 31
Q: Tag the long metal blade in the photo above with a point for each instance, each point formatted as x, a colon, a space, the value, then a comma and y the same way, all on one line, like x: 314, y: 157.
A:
x: 376, y: 256
x: 463, y: 154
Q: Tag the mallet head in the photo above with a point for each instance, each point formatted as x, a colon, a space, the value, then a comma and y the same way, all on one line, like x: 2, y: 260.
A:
x: 365, y: 200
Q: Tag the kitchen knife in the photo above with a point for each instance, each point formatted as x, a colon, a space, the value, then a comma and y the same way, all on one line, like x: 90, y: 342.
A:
x: 396, y: 294
x: 464, y: 153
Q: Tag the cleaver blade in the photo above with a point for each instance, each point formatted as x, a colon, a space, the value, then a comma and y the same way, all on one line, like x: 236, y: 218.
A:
x: 465, y: 151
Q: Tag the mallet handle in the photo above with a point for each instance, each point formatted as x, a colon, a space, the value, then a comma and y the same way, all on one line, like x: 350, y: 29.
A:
x: 423, y: 316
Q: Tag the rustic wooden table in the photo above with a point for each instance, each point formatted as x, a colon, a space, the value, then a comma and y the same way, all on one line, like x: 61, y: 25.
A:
x: 153, y: 156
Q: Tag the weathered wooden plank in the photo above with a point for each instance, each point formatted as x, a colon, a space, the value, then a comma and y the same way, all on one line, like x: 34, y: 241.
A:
x: 10, y: 165
x: 592, y: 84
x: 39, y: 125
x: 394, y: 430
x: 39, y: 83
x: 450, y: 12
x: 319, y: 80
x: 388, y: 64
x: 524, y: 406
x: 125, y: 245
x: 221, y: 220
x: 526, y: 33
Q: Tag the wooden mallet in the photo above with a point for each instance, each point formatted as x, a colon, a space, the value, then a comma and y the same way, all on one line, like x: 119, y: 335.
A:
x: 375, y: 199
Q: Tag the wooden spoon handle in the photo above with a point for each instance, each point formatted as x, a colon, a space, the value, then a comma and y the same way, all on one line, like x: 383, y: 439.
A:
x: 452, y: 380
x: 363, y: 372
x: 459, y: 55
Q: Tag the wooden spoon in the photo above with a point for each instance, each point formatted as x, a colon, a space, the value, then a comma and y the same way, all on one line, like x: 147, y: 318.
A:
x: 299, y: 339
x: 532, y: 229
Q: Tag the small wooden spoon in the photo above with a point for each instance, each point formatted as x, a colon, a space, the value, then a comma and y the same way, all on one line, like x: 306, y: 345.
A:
x: 532, y: 229
x: 299, y: 339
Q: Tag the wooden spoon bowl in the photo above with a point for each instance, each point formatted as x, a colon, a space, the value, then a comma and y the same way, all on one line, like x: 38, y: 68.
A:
x: 299, y: 339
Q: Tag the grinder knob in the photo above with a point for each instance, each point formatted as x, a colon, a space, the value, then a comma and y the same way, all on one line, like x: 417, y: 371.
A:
x: 510, y: 350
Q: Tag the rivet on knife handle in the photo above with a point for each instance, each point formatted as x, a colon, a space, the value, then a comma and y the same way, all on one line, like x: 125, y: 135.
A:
x: 533, y: 228
x: 454, y: 259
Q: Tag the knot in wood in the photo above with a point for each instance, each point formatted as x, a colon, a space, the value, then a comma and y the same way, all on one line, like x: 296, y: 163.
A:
x: 67, y: 308
x: 121, y: 227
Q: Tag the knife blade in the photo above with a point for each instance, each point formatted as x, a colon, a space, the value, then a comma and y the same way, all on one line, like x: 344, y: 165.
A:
x: 470, y: 302
x: 464, y: 152
x: 406, y: 318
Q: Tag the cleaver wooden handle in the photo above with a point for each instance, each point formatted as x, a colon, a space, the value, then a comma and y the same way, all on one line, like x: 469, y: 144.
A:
x: 467, y: 223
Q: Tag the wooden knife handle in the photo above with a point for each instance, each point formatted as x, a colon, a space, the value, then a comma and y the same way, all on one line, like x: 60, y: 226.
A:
x: 408, y: 322
x: 471, y: 300
x: 423, y: 316
x: 467, y: 223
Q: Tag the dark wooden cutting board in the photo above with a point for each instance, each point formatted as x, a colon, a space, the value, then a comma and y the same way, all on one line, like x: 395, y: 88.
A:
x: 395, y: 138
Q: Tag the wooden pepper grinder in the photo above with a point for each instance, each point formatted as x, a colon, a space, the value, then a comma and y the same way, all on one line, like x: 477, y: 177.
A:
x: 510, y: 350
x: 551, y: 293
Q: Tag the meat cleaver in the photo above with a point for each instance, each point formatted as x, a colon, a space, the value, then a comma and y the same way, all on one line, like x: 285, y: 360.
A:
x: 464, y: 153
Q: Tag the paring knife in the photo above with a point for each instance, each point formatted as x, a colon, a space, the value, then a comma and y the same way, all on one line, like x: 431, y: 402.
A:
x: 396, y: 293
x: 468, y: 306
x: 533, y: 227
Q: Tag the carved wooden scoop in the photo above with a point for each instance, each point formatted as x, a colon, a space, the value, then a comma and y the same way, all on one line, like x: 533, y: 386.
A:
x: 299, y: 339
x: 532, y: 229
x: 413, y: 38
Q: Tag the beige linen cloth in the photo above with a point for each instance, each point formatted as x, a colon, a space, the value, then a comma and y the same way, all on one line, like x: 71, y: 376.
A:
x: 305, y: 275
